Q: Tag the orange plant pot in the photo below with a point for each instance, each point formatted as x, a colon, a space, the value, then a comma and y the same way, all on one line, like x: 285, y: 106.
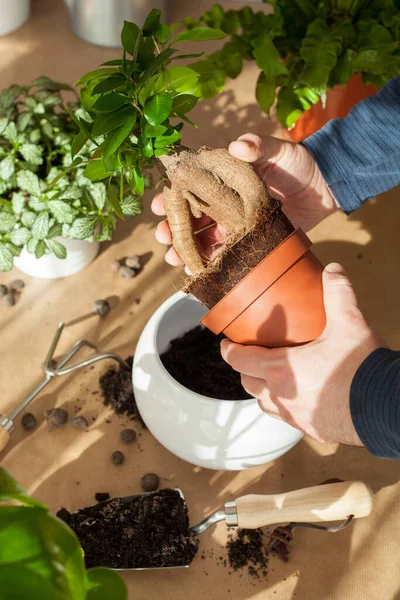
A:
x: 339, y: 101
x: 279, y: 303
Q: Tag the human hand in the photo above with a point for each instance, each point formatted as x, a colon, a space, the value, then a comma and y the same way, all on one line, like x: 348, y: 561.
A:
x: 309, y: 386
x: 291, y: 174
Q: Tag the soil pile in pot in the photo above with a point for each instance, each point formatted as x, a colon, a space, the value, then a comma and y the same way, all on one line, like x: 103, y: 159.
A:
x: 148, y: 531
x: 195, y: 361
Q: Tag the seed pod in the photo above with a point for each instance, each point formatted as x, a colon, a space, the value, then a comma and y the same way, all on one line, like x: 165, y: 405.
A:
x: 28, y: 421
x: 79, y: 422
x: 17, y: 284
x: 150, y: 482
x: 133, y: 262
x: 128, y: 436
x: 115, y: 265
x: 101, y: 307
x: 57, y: 417
x: 126, y: 273
x: 117, y: 458
x: 8, y: 300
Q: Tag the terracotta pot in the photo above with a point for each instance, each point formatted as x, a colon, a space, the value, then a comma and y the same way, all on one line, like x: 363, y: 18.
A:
x: 279, y: 303
x: 339, y: 101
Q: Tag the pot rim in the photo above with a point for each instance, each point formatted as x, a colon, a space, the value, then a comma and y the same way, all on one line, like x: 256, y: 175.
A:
x: 166, y: 305
x: 231, y: 306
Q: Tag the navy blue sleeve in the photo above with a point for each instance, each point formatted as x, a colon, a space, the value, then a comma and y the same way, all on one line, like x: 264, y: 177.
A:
x: 375, y: 403
x: 359, y: 156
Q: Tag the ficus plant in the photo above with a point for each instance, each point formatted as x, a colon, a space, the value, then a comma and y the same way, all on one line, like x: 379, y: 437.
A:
x: 40, y: 556
x: 304, y: 48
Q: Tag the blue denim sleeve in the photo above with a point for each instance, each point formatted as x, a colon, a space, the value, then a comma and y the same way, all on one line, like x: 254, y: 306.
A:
x: 359, y: 156
x: 375, y: 403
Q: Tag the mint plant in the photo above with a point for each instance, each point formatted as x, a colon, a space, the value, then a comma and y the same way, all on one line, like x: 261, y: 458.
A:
x: 303, y: 49
x: 41, y: 557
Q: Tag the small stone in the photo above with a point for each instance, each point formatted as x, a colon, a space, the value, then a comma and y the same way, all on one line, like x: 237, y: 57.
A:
x: 117, y: 458
x: 57, y: 417
x: 101, y: 307
x: 133, y: 262
x: 28, y: 421
x: 137, y: 300
x: 128, y: 436
x: 150, y: 482
x: 3, y: 290
x: 17, y: 284
x: 102, y: 496
x: 115, y: 265
x: 126, y: 273
x: 8, y: 300
x: 79, y: 423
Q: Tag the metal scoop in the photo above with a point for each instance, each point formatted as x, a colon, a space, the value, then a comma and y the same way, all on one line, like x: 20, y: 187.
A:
x: 329, y: 502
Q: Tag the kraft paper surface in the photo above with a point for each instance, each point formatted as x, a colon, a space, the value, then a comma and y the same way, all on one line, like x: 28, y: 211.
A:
x: 67, y: 467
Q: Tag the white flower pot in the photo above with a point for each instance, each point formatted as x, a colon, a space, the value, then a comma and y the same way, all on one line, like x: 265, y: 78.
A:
x: 208, y: 432
x: 13, y: 14
x: 79, y: 254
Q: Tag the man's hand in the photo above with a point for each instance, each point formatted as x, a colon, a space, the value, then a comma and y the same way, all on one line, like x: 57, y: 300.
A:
x: 309, y: 386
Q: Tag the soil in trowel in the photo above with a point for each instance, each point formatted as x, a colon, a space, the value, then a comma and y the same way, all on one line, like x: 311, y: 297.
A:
x: 195, y: 361
x: 148, y: 531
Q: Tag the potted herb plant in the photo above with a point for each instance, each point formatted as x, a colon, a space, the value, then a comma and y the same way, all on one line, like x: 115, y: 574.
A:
x: 316, y: 59
x: 52, y: 217
x: 40, y: 556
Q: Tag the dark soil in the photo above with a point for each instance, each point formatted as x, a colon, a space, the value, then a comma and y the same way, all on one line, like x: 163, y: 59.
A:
x: 117, y: 390
x: 102, y: 496
x: 237, y: 261
x: 246, y: 549
x: 147, y: 531
x: 195, y: 361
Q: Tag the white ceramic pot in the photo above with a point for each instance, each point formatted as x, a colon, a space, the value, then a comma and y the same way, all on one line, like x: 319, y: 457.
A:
x: 208, y: 432
x: 79, y: 254
x: 13, y: 14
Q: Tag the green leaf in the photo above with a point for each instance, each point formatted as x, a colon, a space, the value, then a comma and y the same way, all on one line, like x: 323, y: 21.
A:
x: 211, y: 80
x: 288, y: 108
x: 7, y: 167
x: 96, y: 74
x: 112, y: 163
x: 110, y: 83
x: 24, y: 119
x: 3, y: 125
x: 40, y: 249
x: 139, y: 181
x: 106, y: 230
x: 157, y: 108
x: 29, y: 182
x: 95, y: 170
x: 20, y: 236
x: 156, y: 64
x: 88, y: 98
x: 78, y: 142
x: 116, y: 137
x: 107, y: 122
x: 55, y: 230
x: 183, y: 103
x: 105, y: 584
x: 265, y: 92
x: 132, y: 205
x: 6, y: 258
x: 82, y: 228
x: 98, y: 193
x: 41, y: 227
x: 15, y: 250
x: 11, y: 133
x: 49, y: 84
x: 146, y: 147
x: 7, y: 222
x: 163, y: 33
x: 182, y: 56
x: 61, y: 210
x: 56, y: 248
x: 153, y: 131
x: 167, y: 140
x: 9, y: 95
x: 180, y: 79
x: 268, y: 58
x: 18, y: 202
x: 31, y: 245
x: 28, y: 218
x: 152, y: 22
x: 161, y: 151
x: 199, y: 34
x: 25, y: 583
x: 114, y: 200
x: 110, y: 102
x: 130, y: 36
x: 319, y: 50
x: 32, y: 153
x: 11, y: 490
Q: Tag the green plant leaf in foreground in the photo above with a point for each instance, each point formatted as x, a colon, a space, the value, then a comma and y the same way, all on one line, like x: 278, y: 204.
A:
x: 103, y: 584
x: 199, y: 34
x: 157, y: 108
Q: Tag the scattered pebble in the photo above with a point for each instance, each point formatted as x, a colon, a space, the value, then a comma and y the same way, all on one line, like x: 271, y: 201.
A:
x: 137, y: 300
x: 126, y: 273
x: 8, y: 300
x: 150, y: 482
x: 57, y: 417
x: 17, y: 284
x: 79, y: 423
x: 102, y: 496
x: 101, y: 307
x: 115, y: 265
x: 133, y: 262
x: 28, y: 421
x: 128, y: 436
x: 3, y: 290
x: 117, y: 457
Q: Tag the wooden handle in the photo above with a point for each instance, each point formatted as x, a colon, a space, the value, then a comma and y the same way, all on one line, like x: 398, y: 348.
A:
x: 329, y: 502
x: 4, y: 437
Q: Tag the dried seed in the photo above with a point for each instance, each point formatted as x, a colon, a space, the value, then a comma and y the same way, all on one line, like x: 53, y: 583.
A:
x: 117, y: 458
x: 126, y: 273
x: 128, y: 436
x: 150, y: 482
x: 8, y: 300
x: 17, y: 284
x: 79, y: 423
x: 115, y: 265
x: 57, y: 417
x: 28, y: 421
x: 3, y: 290
x: 133, y: 262
x: 101, y: 307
